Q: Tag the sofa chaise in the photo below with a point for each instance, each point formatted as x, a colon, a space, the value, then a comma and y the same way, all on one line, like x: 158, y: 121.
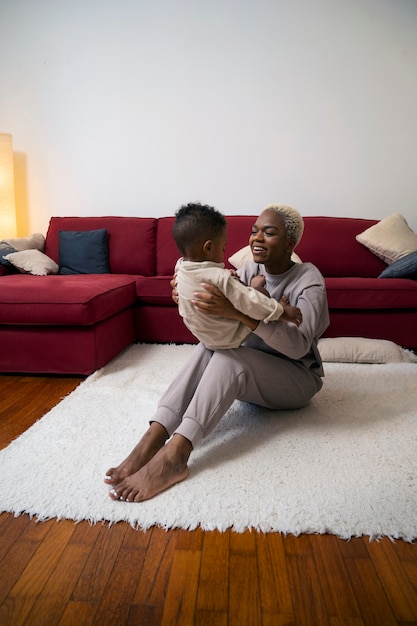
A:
x: 74, y: 323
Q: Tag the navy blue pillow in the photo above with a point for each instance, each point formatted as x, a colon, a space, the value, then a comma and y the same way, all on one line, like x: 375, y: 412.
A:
x: 406, y: 267
x: 83, y: 252
x: 4, y: 252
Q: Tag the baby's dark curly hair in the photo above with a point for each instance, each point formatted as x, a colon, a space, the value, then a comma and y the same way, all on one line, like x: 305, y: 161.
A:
x: 194, y: 224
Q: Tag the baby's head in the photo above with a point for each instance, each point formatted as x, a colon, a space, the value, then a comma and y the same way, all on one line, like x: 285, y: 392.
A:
x: 195, y: 225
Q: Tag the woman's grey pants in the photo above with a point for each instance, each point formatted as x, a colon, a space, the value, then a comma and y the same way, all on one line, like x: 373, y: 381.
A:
x: 208, y: 384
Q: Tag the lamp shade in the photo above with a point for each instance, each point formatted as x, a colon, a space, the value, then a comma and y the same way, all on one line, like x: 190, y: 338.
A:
x: 7, y: 200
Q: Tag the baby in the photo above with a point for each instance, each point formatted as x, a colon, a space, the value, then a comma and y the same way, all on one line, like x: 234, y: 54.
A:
x: 200, y: 233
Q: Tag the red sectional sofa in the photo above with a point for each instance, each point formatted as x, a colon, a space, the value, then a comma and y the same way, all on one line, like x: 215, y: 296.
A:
x: 75, y: 324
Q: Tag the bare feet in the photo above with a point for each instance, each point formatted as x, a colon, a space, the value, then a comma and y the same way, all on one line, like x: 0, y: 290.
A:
x: 148, y: 446
x: 166, y: 468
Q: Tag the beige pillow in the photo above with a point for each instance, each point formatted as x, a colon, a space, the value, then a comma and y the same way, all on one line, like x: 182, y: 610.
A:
x: 33, y: 242
x: 362, y: 350
x: 244, y: 254
x: 33, y: 262
x: 390, y: 239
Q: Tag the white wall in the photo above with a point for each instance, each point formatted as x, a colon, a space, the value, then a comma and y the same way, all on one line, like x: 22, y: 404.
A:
x: 135, y: 107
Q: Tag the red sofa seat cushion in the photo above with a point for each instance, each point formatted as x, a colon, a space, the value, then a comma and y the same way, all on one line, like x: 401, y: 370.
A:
x: 342, y: 293
x: 371, y: 293
x: 131, y: 240
x: 73, y: 300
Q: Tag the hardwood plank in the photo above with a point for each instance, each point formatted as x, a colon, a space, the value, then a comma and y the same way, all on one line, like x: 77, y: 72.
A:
x: 410, y: 569
x: 50, y: 605
x: 36, y: 396
x: 81, y: 613
x: 186, y: 540
x: 3, y: 519
x: 355, y: 548
x: 244, y: 591
x: 300, y: 546
x: 97, y: 571
x: 208, y: 617
x: 136, y: 538
x: 10, y: 531
x: 335, y: 585
x: 405, y: 551
x: 243, y: 543
x: 146, y: 615
x: 372, y: 601
x: 213, y: 588
x: 15, y: 560
x: 271, y: 619
x: 153, y: 582
x: 273, y: 577
x: 115, y: 603
x: 86, y: 533
x: 400, y: 592
x: 180, y: 601
x: 307, y: 596
x: 346, y: 621
x: 30, y: 584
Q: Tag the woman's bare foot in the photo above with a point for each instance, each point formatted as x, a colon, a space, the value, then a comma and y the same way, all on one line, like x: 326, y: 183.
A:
x: 166, y: 468
x: 148, y: 446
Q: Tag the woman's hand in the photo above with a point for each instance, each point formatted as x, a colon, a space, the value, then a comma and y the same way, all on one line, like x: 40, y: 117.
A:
x: 213, y: 302
x: 174, y: 294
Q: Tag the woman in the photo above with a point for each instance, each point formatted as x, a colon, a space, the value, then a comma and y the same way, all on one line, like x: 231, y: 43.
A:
x: 278, y: 367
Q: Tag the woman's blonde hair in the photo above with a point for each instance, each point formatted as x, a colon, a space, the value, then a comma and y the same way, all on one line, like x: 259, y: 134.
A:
x: 294, y: 224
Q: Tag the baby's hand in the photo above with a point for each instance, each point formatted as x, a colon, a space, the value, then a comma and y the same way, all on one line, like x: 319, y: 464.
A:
x: 258, y: 283
x: 233, y: 273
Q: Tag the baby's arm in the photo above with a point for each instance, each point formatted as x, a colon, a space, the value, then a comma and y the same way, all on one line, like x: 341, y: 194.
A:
x: 291, y: 313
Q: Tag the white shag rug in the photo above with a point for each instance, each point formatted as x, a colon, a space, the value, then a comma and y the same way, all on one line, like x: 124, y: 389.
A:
x: 346, y: 464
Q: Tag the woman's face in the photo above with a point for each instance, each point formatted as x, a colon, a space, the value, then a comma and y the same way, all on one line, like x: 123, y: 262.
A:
x: 270, y: 243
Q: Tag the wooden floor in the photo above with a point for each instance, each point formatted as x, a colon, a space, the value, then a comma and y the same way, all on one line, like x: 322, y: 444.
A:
x: 67, y: 574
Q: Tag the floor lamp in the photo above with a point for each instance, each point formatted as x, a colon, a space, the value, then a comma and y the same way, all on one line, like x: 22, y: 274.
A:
x: 8, y: 227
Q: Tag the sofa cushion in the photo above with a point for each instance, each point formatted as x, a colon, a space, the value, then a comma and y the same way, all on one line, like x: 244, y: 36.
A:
x: 33, y: 262
x: 131, y: 240
x: 166, y: 249
x: 362, y: 350
x: 83, y: 252
x: 406, y: 267
x: 155, y: 290
x: 73, y: 300
x: 32, y: 242
x: 330, y: 244
x: 371, y: 293
x: 390, y: 239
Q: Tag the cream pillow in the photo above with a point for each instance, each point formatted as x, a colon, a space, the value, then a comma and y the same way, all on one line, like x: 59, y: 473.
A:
x: 33, y: 242
x: 244, y: 254
x: 362, y: 350
x: 33, y: 262
x: 390, y: 239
